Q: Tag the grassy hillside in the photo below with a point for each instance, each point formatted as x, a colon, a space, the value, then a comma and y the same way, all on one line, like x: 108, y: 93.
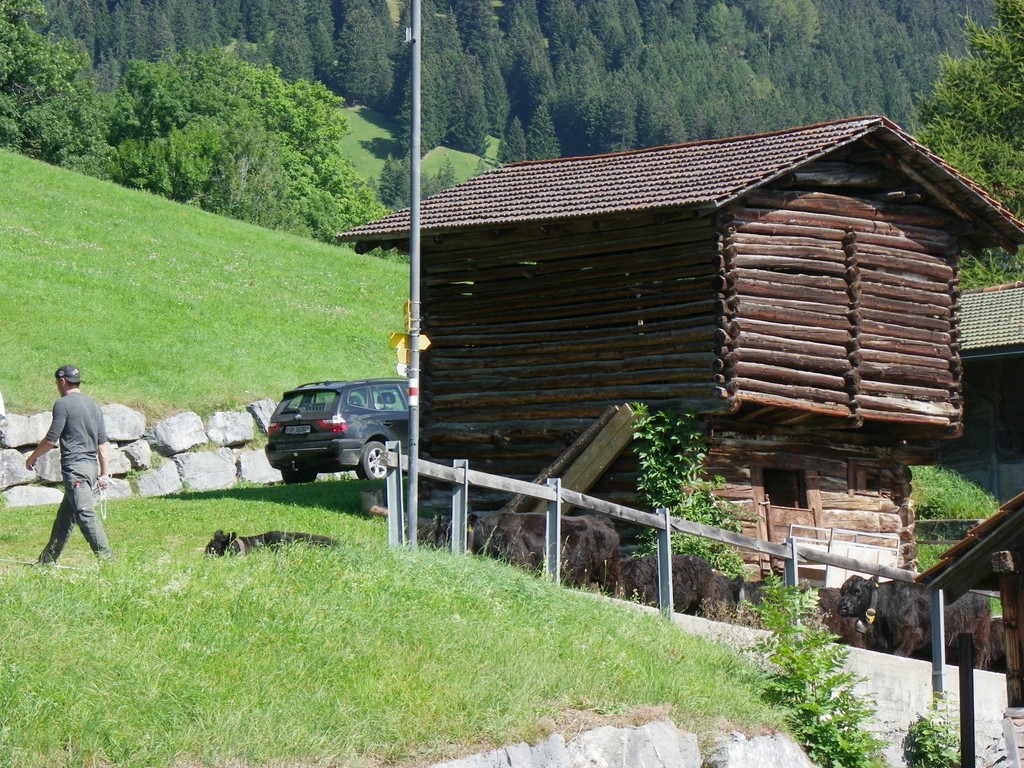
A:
x: 370, y: 143
x: 361, y: 656
x: 164, y: 306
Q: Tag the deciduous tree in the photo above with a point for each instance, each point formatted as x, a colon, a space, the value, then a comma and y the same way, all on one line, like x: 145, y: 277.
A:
x: 974, y: 118
x: 215, y: 131
x: 47, y: 110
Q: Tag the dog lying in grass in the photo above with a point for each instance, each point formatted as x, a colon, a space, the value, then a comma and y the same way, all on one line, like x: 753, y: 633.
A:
x: 223, y: 543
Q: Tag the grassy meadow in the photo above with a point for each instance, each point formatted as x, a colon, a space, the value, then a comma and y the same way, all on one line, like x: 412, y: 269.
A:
x: 370, y: 142
x: 359, y: 656
x: 165, y: 307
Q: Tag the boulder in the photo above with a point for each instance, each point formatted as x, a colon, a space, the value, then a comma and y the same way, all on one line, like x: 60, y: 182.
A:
x: 32, y: 496
x: 48, y: 467
x: 139, y: 454
x: 119, y: 463
x: 12, y: 469
x: 254, y: 468
x: 20, y: 431
x: 230, y: 428
x: 14, y: 431
x: 123, y: 423
x: 550, y: 753
x: 655, y: 744
x: 118, y: 489
x: 176, y: 434
x: 738, y: 751
x: 160, y: 482
x: 207, y: 470
x: 261, y: 411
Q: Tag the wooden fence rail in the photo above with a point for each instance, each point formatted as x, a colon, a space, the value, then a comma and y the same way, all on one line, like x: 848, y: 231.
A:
x: 465, y: 477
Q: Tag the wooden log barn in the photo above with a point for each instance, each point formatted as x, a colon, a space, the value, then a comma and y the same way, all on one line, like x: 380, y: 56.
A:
x: 798, y: 289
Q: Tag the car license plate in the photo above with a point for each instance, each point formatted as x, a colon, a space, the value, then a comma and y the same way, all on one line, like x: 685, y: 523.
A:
x: 297, y: 430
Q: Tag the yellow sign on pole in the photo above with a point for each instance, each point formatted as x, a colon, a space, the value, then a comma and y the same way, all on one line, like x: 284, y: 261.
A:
x: 400, y: 343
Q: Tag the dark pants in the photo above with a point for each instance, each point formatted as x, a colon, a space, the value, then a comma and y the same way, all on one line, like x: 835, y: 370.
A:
x: 77, y: 508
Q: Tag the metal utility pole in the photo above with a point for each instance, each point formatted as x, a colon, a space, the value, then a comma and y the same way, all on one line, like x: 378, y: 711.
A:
x: 413, y: 37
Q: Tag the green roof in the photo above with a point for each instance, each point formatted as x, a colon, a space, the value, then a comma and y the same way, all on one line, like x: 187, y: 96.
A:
x: 992, y: 317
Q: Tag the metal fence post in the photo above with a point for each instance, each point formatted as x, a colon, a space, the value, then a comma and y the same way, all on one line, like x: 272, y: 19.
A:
x: 553, y: 532
x: 792, y: 573
x: 460, y: 508
x: 396, y: 507
x: 665, y: 599
x: 938, y: 642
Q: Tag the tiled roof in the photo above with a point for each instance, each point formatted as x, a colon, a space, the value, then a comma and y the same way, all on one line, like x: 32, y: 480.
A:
x: 706, y: 173
x: 992, y: 317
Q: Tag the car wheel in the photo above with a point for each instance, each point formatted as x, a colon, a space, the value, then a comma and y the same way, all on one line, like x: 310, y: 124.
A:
x: 292, y: 476
x: 371, y: 464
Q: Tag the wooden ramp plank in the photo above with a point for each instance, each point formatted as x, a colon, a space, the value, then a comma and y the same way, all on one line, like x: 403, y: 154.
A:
x: 522, y: 502
x: 605, y: 447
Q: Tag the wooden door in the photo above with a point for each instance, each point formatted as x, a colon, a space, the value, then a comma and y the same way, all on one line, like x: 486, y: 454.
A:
x: 785, y: 497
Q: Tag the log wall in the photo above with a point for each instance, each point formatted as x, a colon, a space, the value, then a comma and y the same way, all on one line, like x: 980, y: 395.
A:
x: 991, y: 452
x: 842, y: 306
x: 531, y: 341
x: 831, y: 459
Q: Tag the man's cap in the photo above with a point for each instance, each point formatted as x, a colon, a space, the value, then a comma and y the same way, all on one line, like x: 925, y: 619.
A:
x: 69, y: 373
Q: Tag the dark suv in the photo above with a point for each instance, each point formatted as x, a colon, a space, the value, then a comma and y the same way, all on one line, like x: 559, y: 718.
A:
x: 329, y: 426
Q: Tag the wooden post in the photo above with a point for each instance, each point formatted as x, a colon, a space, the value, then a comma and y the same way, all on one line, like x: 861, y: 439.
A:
x: 460, y: 508
x: 1007, y: 565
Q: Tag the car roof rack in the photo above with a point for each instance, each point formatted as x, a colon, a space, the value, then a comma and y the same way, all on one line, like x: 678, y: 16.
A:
x: 339, y: 384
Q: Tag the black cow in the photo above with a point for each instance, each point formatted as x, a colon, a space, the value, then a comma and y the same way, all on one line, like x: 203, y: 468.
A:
x: 223, y: 543
x: 997, y: 645
x: 589, y: 545
x: 692, y: 577
x: 897, y: 617
x: 843, y: 627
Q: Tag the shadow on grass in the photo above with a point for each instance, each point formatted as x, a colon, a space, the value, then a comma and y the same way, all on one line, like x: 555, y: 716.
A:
x: 343, y: 496
x: 382, y: 148
x: 377, y: 119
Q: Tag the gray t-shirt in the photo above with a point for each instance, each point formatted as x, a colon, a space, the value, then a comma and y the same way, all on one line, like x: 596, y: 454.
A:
x: 77, y: 428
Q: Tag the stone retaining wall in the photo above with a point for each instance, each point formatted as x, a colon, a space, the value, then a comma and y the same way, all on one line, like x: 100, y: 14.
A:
x: 179, y: 453
x: 657, y: 744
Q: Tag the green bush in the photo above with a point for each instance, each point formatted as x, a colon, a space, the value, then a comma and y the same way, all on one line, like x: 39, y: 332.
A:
x: 933, y: 740
x: 805, y: 675
x: 671, y: 455
x: 929, y: 554
x: 943, y: 494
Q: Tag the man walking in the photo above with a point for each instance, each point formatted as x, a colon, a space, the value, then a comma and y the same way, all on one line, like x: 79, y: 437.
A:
x: 78, y: 428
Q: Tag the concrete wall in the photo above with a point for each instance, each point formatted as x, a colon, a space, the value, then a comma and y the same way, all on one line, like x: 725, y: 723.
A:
x: 901, y: 688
